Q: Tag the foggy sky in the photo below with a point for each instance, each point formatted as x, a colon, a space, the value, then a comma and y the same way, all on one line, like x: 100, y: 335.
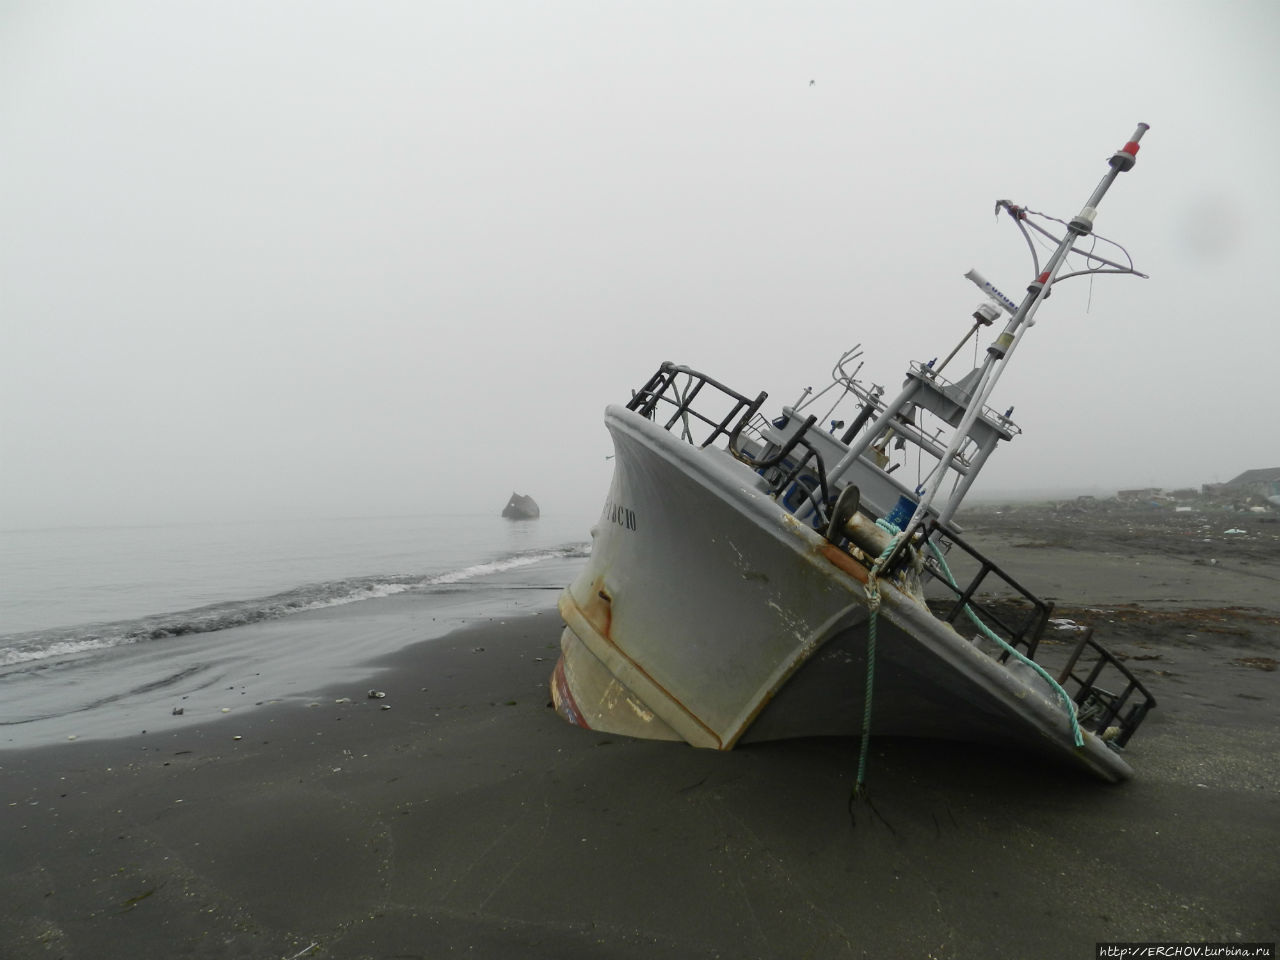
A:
x: 332, y: 259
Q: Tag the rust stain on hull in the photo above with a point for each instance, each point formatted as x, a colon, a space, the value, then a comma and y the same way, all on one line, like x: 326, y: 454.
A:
x: 597, y: 614
x: 838, y: 558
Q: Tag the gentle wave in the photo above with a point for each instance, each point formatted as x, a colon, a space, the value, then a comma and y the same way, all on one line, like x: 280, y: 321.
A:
x: 26, y: 649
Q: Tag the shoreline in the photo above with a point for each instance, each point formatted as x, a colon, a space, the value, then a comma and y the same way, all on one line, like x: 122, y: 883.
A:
x: 140, y: 687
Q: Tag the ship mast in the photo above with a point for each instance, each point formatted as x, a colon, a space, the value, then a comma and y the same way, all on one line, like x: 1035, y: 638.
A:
x: 980, y: 383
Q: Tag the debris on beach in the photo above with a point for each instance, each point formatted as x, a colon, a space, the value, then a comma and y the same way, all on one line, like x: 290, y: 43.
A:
x: 1062, y: 623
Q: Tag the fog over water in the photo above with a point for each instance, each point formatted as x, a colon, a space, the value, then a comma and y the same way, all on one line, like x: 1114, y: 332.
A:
x: 330, y: 259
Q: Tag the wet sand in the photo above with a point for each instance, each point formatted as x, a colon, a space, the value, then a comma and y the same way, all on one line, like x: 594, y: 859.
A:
x: 468, y: 819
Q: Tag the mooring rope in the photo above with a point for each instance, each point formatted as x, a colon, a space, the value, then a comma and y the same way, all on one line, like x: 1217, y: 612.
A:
x: 873, y: 606
x: 1076, y: 737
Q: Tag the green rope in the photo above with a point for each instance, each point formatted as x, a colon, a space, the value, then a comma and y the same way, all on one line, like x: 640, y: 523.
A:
x: 1076, y: 736
x: 873, y: 605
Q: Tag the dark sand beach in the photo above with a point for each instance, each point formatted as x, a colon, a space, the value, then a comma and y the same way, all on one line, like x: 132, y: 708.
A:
x: 469, y: 820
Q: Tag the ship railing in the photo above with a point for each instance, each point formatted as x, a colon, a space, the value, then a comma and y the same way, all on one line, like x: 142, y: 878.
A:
x: 1087, y: 667
x: 796, y: 474
x: 1029, y: 629
x: 1098, y: 708
x: 756, y: 432
x: 670, y: 393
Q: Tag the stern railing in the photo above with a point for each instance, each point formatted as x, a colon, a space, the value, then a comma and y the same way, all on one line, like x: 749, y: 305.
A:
x: 1098, y: 708
x: 1026, y: 634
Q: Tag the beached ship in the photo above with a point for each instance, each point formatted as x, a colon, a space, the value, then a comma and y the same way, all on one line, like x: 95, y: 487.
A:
x: 758, y: 578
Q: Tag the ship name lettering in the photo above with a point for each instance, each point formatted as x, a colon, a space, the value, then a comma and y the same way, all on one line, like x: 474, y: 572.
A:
x: 624, y: 517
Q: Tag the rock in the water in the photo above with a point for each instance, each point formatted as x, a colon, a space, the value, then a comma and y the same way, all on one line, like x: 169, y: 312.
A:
x: 520, y: 507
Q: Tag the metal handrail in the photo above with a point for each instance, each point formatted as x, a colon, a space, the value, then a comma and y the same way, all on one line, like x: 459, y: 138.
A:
x: 1029, y: 634
x: 645, y: 401
x: 1101, y: 708
x: 663, y: 388
x: 821, y: 504
x: 1098, y: 708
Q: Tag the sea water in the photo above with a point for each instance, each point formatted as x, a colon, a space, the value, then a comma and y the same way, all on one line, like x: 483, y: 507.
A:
x: 115, y: 630
x: 76, y: 590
